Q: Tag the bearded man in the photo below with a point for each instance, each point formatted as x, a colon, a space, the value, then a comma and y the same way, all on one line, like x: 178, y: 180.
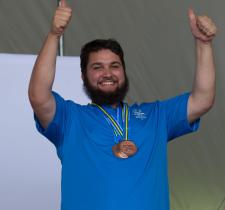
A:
x: 114, y: 156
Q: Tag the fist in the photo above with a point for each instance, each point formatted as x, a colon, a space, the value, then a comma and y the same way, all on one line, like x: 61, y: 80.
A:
x: 61, y: 18
x: 202, y: 27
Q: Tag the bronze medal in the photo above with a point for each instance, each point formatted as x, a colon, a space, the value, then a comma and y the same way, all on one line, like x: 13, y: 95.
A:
x: 124, y: 149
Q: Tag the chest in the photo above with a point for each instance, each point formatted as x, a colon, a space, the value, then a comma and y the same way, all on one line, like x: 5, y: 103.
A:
x: 95, y: 128
x: 91, y: 139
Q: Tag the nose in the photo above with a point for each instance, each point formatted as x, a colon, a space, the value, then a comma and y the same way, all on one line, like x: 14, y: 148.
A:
x: 107, y: 72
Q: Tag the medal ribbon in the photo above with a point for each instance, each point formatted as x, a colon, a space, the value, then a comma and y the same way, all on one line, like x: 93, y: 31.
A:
x: 113, y: 121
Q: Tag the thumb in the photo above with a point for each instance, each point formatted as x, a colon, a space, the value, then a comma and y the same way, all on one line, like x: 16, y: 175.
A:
x: 191, y: 15
x: 63, y: 3
x: 192, y: 19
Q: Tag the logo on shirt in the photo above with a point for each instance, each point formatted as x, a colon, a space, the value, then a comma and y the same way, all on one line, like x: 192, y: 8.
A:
x: 138, y: 114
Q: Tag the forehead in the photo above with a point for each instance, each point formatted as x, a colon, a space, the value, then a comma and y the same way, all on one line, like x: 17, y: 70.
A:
x: 103, y: 56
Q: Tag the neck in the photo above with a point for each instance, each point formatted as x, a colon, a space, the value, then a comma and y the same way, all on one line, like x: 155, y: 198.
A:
x: 114, y: 105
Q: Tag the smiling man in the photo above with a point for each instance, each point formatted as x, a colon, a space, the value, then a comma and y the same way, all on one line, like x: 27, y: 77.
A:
x: 103, y: 72
x: 114, y: 156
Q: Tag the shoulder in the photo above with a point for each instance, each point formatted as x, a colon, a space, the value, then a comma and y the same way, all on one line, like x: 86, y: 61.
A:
x: 161, y: 105
x: 182, y: 97
x: 68, y: 103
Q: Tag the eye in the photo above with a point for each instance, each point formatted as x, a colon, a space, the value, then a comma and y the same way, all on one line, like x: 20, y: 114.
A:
x: 115, y: 66
x: 97, y: 67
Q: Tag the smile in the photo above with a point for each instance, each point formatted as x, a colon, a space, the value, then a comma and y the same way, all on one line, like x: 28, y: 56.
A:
x: 107, y: 83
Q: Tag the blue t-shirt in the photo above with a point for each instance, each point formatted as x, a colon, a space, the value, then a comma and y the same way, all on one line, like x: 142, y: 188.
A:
x: 92, y: 177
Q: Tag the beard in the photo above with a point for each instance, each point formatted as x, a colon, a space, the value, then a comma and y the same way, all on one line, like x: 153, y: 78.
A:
x: 106, y: 98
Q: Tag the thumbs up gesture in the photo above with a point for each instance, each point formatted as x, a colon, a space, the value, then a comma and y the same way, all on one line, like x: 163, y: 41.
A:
x: 61, y: 18
x: 202, y: 27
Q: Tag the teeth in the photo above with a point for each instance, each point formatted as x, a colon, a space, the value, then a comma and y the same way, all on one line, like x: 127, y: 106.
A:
x: 107, y: 83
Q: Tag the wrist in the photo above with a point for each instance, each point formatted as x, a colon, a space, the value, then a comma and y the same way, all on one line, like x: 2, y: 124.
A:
x: 201, y: 43
x: 53, y: 35
x: 203, y: 46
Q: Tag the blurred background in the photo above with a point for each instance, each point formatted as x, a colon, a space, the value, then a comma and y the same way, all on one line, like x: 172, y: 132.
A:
x: 160, y: 58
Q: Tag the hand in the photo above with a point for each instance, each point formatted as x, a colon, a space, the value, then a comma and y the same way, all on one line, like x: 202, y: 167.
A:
x: 61, y: 18
x: 202, y: 27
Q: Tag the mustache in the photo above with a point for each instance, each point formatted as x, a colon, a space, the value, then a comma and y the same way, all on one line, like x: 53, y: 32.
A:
x: 99, y: 97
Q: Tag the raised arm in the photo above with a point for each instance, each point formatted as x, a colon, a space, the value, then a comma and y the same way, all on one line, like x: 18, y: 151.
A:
x: 203, y: 91
x: 42, y: 78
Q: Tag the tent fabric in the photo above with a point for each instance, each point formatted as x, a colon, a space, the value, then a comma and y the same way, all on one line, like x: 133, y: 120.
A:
x: 160, y: 57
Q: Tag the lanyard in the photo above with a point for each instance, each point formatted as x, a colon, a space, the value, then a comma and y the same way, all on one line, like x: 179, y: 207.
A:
x: 114, y: 123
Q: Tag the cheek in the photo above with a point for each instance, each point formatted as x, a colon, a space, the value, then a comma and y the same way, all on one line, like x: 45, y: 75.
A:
x: 121, y: 76
x: 92, y: 78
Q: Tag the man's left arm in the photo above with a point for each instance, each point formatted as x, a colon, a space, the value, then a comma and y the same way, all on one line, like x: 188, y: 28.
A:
x: 203, y: 92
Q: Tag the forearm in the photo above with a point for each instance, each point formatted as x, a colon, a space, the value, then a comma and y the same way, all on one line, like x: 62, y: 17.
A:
x: 203, y: 91
x: 43, y: 74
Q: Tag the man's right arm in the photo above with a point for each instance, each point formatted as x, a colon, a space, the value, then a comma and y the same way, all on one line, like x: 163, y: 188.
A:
x: 42, y: 78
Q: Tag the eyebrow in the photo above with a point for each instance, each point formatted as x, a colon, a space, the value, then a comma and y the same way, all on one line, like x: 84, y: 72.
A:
x: 116, y: 62
x: 112, y: 63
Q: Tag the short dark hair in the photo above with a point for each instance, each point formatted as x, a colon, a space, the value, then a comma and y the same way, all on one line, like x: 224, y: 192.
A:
x: 95, y: 46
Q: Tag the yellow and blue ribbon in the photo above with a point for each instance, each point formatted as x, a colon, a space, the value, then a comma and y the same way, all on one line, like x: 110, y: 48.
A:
x: 118, y: 130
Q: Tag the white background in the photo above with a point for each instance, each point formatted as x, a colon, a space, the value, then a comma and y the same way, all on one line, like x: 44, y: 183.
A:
x: 30, y: 171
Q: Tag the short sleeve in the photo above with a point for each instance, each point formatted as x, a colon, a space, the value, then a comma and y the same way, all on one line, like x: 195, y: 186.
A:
x: 177, y: 117
x: 56, y: 128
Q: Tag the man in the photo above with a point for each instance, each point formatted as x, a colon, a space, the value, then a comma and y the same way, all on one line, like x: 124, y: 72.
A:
x: 113, y: 155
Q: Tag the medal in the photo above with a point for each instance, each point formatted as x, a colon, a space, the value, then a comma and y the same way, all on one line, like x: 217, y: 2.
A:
x: 125, y: 148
